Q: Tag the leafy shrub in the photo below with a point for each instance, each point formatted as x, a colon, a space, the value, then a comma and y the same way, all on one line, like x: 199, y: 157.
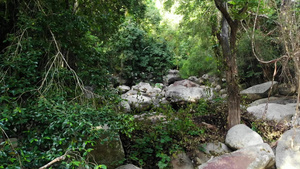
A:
x: 152, y: 145
x: 139, y: 57
x: 49, y: 128
x: 197, y: 65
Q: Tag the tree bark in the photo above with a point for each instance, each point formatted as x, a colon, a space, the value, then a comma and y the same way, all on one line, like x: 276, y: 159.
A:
x: 227, y: 40
x: 228, y: 48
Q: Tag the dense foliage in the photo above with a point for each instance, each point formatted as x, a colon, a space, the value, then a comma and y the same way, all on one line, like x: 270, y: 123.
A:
x: 51, y: 51
x: 140, y: 56
x: 60, y: 61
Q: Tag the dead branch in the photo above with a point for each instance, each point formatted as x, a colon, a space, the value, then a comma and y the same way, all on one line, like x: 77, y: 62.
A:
x: 61, y: 158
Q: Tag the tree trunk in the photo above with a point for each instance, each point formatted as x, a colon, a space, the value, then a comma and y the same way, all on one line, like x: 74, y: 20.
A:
x: 227, y: 41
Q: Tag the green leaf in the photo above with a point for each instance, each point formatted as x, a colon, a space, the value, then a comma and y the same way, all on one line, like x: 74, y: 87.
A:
x: 231, y: 2
x: 100, y: 166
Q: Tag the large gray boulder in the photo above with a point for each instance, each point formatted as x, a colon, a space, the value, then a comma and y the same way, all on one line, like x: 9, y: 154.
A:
x: 258, y: 156
x: 142, y: 87
x: 123, y: 88
x: 240, y: 136
x: 146, y: 89
x: 137, y: 101
x: 188, y: 91
x: 128, y: 166
x: 141, y: 97
x: 288, y: 150
x: 278, y: 100
x: 277, y: 112
x: 259, y: 91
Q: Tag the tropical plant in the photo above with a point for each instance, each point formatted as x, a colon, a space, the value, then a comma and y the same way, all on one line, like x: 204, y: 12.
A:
x: 139, y: 57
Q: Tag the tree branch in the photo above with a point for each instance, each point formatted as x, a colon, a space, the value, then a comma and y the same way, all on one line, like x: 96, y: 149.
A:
x: 222, y: 6
x: 63, y: 157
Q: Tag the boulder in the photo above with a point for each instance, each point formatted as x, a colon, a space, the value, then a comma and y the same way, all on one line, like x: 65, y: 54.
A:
x: 218, y: 88
x: 223, y: 91
x: 125, y: 106
x: 205, y: 76
x: 240, y: 136
x: 199, y: 157
x: 277, y: 112
x: 215, y: 149
x: 258, y: 156
x: 259, y: 91
x: 278, y: 100
x: 288, y: 150
x: 154, y: 92
x: 160, y: 102
x: 172, y: 77
x: 193, y: 79
x: 128, y: 166
x: 287, y: 89
x: 130, y: 92
x: 200, y: 81
x: 181, y: 161
x: 109, y: 152
x: 138, y: 102
x: 123, y: 88
x: 146, y: 89
x: 188, y: 91
x: 142, y: 87
x: 186, y: 83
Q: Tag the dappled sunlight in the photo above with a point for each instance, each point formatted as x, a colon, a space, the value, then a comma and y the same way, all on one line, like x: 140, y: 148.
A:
x: 169, y: 17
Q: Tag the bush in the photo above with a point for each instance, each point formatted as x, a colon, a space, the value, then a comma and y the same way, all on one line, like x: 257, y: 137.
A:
x: 49, y: 128
x: 152, y: 145
x: 139, y: 57
x: 198, y: 65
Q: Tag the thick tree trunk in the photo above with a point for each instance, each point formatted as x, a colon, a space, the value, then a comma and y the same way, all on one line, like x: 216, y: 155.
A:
x: 227, y: 41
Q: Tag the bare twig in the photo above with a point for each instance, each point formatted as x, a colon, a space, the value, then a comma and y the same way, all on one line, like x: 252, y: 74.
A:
x: 60, y: 158
x: 60, y: 57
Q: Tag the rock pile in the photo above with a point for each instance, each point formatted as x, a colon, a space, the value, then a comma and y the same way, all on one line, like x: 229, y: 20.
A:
x: 173, y: 90
x: 243, y: 148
